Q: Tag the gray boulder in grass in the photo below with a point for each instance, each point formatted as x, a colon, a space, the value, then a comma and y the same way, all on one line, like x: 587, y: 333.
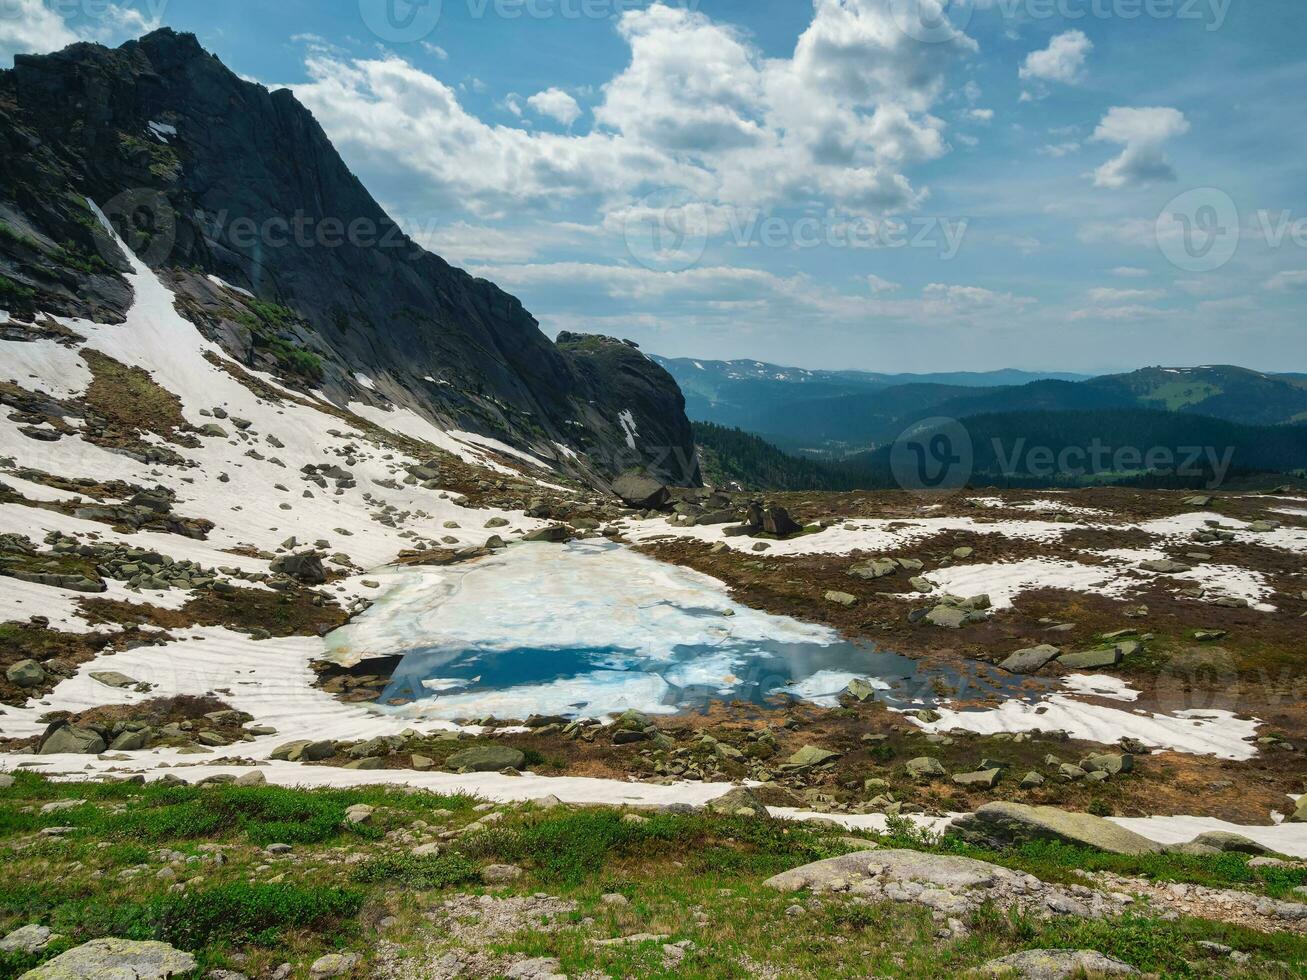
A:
x: 1005, y: 824
x: 111, y: 959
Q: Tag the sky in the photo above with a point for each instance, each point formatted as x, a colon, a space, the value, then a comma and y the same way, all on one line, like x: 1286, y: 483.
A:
x: 887, y: 185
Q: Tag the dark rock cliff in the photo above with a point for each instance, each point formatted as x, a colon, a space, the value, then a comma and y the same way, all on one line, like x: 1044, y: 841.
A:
x: 205, y: 174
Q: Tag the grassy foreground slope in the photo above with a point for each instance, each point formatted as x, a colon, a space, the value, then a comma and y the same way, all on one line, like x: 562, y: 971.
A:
x: 203, y: 868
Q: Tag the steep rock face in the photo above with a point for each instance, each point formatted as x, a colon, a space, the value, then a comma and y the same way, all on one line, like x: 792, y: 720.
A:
x: 205, y: 174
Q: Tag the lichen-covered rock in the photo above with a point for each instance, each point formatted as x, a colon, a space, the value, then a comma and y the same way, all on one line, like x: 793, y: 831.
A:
x: 487, y: 758
x: 73, y: 740
x: 1005, y: 824
x: 1055, y: 964
x: 119, y: 959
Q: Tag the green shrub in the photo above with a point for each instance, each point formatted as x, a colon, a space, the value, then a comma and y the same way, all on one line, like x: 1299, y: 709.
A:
x: 436, y: 871
x: 247, y: 913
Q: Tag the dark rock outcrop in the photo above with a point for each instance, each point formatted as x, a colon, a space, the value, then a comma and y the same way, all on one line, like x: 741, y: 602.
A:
x: 642, y: 492
x: 205, y: 174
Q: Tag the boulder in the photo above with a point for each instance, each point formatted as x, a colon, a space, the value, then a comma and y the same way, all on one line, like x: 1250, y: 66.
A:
x: 949, y: 617
x: 1109, y: 763
x: 777, y: 521
x: 101, y: 958
x: 113, y: 678
x: 841, y: 599
x: 1091, y: 659
x: 1030, y: 659
x: 1004, y: 824
x: 73, y: 740
x: 305, y: 567
x: 874, y: 569
x: 738, y: 802
x: 811, y: 755
x: 1300, y: 812
x: 1055, y: 964
x: 27, y: 940
x: 1165, y: 566
x: 943, y: 871
x: 26, y: 673
x: 1223, y: 840
x: 925, y: 768
x: 487, y: 758
x: 500, y: 874
x: 641, y: 492
x: 334, y: 965
x: 860, y: 689
x: 985, y: 779
x: 553, y: 534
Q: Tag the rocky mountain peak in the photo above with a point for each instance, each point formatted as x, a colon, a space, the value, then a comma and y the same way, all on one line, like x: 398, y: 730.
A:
x: 278, y: 252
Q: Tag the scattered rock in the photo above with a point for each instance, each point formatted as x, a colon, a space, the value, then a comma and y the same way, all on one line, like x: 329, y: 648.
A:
x: 841, y: 599
x: 72, y: 740
x: 641, y: 492
x: 26, y: 673
x: 1031, y: 659
x: 924, y: 768
x: 985, y: 779
x: 811, y: 755
x: 738, y: 802
x: 1055, y: 964
x: 111, y: 958
x: 334, y: 965
x: 27, y: 940
x: 500, y: 874
x: 1005, y: 824
x: 487, y: 758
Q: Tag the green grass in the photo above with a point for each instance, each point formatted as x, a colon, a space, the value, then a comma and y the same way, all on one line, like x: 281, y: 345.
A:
x: 696, y: 877
x: 11, y: 292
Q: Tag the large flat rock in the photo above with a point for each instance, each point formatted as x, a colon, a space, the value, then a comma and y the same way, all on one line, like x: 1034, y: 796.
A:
x: 1002, y: 824
x: 944, y: 871
x: 1055, y: 964
x: 116, y: 959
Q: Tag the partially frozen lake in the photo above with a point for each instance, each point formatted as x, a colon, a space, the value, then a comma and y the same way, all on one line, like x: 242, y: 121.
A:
x: 593, y: 628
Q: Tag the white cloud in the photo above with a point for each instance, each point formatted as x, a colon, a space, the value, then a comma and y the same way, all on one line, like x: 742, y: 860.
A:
x: 1059, y: 149
x: 979, y: 115
x: 1130, y: 272
x: 1131, y: 311
x: 1062, y: 61
x: 1108, y: 296
x: 697, y: 107
x: 877, y: 285
x: 946, y: 298
x: 1142, y: 132
x: 1290, y: 281
x: 29, y: 27
x: 435, y: 50
x: 556, y: 104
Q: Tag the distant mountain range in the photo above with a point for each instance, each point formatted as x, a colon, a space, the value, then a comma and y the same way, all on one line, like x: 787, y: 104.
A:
x: 841, y: 413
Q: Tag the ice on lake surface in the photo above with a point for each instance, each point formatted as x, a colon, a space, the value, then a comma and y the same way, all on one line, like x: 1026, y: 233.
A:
x: 593, y: 628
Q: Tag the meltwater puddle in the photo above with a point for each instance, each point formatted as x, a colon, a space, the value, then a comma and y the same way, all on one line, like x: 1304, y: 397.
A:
x: 594, y: 628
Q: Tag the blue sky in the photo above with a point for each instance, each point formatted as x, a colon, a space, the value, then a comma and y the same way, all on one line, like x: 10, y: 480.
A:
x: 1081, y: 185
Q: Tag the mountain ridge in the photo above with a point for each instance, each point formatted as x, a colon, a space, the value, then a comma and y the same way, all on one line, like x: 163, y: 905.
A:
x: 220, y: 181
